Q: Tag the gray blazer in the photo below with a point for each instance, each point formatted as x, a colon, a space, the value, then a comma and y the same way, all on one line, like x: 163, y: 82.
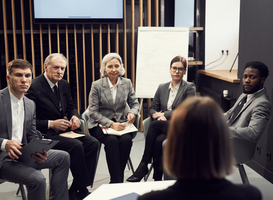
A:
x: 29, y: 131
x: 251, y: 121
x: 101, y: 107
x: 160, y: 100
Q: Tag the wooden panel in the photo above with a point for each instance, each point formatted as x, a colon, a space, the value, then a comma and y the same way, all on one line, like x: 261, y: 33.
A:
x: 67, y: 52
x: 32, y: 39
x: 108, y: 39
x: 84, y: 67
x: 14, y: 30
x: 156, y: 13
x: 58, y: 38
x: 124, y: 40
x: 92, y: 53
x: 117, y: 40
x: 100, y: 45
x: 5, y: 31
x: 133, y: 42
x: 41, y: 49
x: 140, y: 12
x: 149, y: 10
x: 77, y: 68
x: 23, y: 29
x: 49, y: 39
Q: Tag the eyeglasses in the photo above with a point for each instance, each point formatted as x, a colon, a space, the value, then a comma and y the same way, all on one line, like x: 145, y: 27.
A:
x: 180, y: 70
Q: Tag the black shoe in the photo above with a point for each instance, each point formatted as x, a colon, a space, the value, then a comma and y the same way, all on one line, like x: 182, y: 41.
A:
x: 141, y: 171
x: 73, y: 195
x: 83, y: 193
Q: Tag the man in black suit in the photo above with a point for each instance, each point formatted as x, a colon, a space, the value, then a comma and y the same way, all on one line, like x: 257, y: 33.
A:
x: 57, y: 114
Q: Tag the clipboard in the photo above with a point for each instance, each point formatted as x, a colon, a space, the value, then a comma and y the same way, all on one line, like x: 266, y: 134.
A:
x: 36, y: 145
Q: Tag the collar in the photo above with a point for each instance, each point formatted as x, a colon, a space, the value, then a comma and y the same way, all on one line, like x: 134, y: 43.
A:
x: 110, y: 84
x: 175, y: 88
x: 49, y: 82
x: 14, y: 98
x: 250, y: 96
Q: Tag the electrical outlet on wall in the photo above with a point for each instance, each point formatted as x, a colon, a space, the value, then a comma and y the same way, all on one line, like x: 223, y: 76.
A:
x: 224, y: 51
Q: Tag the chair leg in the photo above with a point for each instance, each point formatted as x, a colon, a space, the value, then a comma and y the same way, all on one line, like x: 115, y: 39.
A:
x: 22, y: 190
x: 130, y: 164
x: 149, y: 171
x: 243, y: 174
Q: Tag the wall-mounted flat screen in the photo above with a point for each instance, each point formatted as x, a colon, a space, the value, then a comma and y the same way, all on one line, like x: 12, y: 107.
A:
x: 78, y: 11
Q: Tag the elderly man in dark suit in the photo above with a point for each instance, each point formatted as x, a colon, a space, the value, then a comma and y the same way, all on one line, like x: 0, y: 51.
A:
x: 251, y: 112
x: 18, y: 127
x: 57, y: 114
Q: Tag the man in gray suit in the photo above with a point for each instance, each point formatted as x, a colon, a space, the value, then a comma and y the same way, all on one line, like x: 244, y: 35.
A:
x: 250, y: 120
x: 18, y: 127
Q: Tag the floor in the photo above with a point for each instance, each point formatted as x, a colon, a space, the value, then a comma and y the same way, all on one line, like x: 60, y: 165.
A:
x: 8, y: 190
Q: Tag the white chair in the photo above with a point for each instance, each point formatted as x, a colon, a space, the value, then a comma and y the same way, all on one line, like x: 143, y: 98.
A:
x: 146, y: 123
x: 243, y: 152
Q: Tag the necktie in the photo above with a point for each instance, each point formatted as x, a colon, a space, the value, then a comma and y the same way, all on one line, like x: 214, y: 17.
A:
x: 238, y: 108
x: 57, y: 95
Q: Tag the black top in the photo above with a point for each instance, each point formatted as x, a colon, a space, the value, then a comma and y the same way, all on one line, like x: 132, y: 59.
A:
x: 220, y: 189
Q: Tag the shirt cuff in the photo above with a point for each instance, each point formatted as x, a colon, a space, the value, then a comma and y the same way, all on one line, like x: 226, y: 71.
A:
x: 3, y: 145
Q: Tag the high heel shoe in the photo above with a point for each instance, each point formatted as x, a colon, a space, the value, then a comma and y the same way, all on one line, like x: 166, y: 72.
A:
x: 141, y: 171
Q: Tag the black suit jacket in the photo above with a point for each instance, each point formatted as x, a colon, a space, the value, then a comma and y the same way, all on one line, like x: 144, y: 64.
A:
x: 47, y: 107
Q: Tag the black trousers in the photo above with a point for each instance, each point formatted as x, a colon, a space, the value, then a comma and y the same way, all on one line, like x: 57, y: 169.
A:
x: 153, y: 146
x: 83, y: 154
x: 117, y: 149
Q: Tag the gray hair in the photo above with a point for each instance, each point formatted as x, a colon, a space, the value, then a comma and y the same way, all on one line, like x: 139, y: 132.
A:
x: 106, y: 59
x: 49, y: 58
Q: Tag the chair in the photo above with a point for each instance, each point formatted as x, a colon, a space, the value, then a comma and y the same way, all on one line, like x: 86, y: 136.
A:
x: 243, y: 152
x: 146, y: 123
x: 85, y: 116
x: 20, y: 189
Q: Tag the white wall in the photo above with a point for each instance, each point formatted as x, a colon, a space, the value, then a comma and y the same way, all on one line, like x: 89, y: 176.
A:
x: 221, y: 33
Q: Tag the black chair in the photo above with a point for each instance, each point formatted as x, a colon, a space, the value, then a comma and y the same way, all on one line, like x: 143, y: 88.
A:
x: 20, y: 189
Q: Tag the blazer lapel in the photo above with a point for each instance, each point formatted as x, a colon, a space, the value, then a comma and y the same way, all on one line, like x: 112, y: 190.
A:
x: 26, y: 104
x: 120, y: 92
x: 7, y: 107
x: 107, y: 92
x: 179, y: 93
x: 248, y: 103
x: 49, y: 91
x: 165, y: 98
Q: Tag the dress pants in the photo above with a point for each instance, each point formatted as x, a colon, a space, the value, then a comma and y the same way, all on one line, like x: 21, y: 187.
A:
x: 34, y: 180
x: 117, y: 149
x: 83, y: 154
x: 153, y: 146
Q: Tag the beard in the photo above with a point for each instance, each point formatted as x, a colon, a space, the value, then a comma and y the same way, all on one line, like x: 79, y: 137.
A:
x: 252, y: 89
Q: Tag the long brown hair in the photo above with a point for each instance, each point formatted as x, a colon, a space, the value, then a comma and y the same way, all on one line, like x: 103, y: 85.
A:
x: 198, y: 141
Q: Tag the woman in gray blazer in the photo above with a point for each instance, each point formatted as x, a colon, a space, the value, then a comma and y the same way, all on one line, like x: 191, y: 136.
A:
x: 107, y: 101
x: 167, y: 97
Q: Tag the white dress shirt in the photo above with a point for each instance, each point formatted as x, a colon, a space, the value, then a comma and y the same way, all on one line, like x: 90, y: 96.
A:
x: 18, y: 116
x: 113, y: 89
x: 172, y: 95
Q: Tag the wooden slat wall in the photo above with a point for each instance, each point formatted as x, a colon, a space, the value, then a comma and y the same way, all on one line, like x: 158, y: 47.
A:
x: 83, y: 60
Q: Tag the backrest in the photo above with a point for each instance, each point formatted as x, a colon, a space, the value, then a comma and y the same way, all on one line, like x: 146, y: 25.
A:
x: 84, y: 119
x: 243, y: 150
x: 146, y: 123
